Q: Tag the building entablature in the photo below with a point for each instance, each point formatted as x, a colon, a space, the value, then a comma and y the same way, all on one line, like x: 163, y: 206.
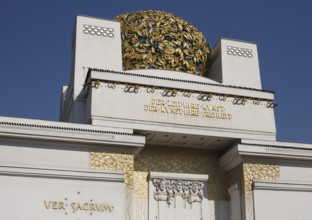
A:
x: 153, y: 79
x: 257, y: 151
x: 177, y: 109
x: 59, y: 132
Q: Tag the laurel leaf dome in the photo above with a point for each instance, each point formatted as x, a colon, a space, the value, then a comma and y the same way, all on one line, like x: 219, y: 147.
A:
x: 159, y: 40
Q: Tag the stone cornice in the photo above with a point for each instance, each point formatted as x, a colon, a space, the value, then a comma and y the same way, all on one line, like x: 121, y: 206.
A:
x: 173, y: 79
x: 67, y: 132
x: 240, y: 152
x: 282, y: 185
x: 178, y: 176
x: 115, y: 176
x: 55, y: 125
x: 149, y: 81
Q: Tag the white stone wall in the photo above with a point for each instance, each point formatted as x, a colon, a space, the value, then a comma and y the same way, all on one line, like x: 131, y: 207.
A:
x: 96, y: 44
x: 33, y: 193
x: 235, y: 63
x: 42, y: 154
x: 282, y: 200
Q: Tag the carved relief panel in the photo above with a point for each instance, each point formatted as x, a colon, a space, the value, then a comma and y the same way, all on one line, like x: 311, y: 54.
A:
x: 177, y: 196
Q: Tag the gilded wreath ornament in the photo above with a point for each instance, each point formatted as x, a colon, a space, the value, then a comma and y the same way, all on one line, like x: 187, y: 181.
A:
x: 160, y: 40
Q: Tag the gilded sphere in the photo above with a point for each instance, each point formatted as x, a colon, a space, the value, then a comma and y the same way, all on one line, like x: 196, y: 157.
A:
x: 160, y: 40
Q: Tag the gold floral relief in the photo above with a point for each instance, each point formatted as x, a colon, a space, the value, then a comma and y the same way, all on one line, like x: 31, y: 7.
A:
x: 160, y: 40
x: 260, y: 171
x: 247, y: 172
x: 104, y: 160
x: 181, y: 160
x: 140, y: 184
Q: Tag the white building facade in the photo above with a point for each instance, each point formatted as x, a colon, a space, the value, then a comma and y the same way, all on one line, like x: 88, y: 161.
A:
x: 156, y: 125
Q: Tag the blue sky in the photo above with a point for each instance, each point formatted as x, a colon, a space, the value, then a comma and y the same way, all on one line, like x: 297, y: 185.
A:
x: 35, y: 46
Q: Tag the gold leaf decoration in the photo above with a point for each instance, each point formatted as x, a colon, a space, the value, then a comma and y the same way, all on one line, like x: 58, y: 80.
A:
x: 259, y: 171
x: 246, y: 173
x: 180, y: 160
x: 160, y: 40
x: 103, y: 160
x: 140, y: 184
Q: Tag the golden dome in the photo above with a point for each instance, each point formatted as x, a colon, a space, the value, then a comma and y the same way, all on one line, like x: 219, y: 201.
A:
x: 160, y: 40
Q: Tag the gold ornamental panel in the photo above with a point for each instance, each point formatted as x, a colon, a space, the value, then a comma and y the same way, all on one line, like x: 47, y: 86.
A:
x: 259, y: 171
x: 180, y: 160
x: 140, y: 184
x: 247, y: 172
x: 104, y: 160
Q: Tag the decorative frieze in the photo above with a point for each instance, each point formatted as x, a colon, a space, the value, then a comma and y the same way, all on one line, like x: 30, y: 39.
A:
x: 170, y: 92
x: 167, y: 190
x: 178, y: 196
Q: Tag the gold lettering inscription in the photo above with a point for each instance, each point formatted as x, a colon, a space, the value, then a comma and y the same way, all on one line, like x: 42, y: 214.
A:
x: 47, y: 204
x: 73, y: 207
x: 96, y: 207
x: 91, y: 207
x: 108, y: 207
x: 61, y: 205
x: 188, y: 109
x: 54, y: 205
x: 85, y: 206
x: 77, y: 206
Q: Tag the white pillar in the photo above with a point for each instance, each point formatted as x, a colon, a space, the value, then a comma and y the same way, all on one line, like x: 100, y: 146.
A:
x: 235, y: 202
